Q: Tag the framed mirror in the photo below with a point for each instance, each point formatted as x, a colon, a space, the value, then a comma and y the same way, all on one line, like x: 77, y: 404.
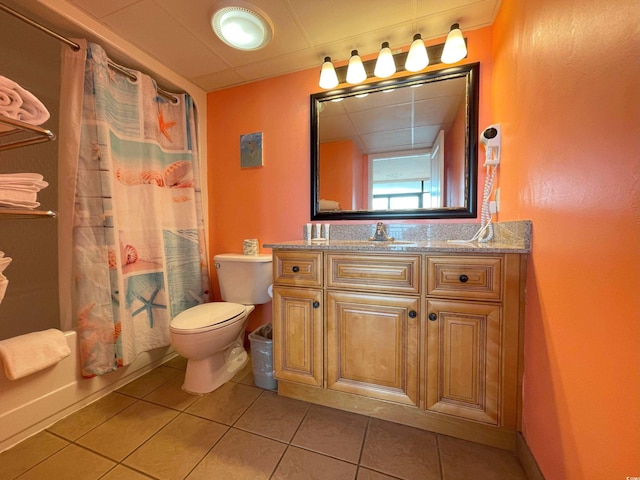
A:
x: 397, y: 149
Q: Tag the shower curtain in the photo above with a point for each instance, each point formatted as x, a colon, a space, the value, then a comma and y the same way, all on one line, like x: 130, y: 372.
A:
x: 131, y: 220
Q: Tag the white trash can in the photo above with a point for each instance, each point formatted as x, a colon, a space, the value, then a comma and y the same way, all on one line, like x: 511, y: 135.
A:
x: 261, y: 341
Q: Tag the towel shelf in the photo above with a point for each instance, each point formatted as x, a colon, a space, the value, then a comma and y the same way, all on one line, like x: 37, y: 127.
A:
x: 24, y: 213
x: 35, y: 134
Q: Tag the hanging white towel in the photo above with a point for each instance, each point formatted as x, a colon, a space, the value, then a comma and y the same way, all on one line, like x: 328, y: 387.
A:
x: 20, y: 104
x: 32, y: 352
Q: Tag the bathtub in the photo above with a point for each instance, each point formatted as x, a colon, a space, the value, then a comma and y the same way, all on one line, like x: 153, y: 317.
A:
x: 35, y: 402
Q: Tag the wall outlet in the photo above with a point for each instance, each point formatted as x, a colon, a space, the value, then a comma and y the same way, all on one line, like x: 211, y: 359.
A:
x: 496, y: 198
x: 493, y: 208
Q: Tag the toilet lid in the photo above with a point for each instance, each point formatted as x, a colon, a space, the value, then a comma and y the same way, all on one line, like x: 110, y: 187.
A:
x: 206, y: 315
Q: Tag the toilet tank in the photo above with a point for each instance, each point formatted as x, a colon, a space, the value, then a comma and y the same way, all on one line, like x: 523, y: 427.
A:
x: 244, y: 278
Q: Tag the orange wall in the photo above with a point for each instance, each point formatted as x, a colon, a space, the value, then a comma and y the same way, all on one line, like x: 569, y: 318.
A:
x: 454, y: 158
x: 341, y: 172
x: 272, y: 203
x: 565, y: 89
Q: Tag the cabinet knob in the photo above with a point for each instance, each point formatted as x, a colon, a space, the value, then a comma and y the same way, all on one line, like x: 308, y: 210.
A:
x: 433, y: 317
x: 413, y: 314
x: 463, y: 278
x: 316, y: 304
x: 295, y: 269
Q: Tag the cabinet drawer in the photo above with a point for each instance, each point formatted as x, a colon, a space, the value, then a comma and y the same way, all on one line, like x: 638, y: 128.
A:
x: 384, y: 273
x: 464, y: 277
x: 303, y: 269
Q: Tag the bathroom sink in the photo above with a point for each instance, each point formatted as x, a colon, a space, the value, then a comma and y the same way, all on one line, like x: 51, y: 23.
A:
x: 372, y: 243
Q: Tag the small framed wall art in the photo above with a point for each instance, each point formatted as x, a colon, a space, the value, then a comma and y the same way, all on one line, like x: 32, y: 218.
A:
x: 251, y: 150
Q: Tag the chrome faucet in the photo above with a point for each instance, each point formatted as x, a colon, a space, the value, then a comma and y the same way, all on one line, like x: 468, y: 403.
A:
x: 381, y: 234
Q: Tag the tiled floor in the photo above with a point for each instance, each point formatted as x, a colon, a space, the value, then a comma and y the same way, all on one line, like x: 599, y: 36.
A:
x: 150, y: 428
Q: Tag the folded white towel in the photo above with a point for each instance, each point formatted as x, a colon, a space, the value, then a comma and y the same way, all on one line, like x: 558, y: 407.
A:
x: 31, y: 181
x: 30, y: 353
x: 329, y: 205
x: 4, y: 282
x: 20, y: 177
x: 9, y: 203
x: 11, y: 195
x: 20, y: 104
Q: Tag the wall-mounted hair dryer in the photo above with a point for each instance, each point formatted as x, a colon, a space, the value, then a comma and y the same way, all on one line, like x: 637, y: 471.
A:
x: 491, y: 138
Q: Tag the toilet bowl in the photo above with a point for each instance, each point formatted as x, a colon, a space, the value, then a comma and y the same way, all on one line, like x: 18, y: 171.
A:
x: 211, y: 335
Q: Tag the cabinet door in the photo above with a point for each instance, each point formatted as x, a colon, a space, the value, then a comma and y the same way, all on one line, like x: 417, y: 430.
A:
x: 463, y: 359
x: 297, y: 335
x: 372, y: 345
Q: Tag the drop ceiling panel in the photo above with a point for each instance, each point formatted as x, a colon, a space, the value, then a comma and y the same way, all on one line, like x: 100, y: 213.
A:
x: 280, y: 65
x: 387, y: 118
x: 178, y: 33
x: 470, y: 17
x: 328, y: 20
x: 339, y: 128
x: 287, y: 37
x: 144, y: 23
x: 100, y: 8
x: 436, y: 111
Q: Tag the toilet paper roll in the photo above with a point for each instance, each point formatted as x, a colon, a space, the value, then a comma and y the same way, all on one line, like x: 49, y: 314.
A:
x: 250, y: 246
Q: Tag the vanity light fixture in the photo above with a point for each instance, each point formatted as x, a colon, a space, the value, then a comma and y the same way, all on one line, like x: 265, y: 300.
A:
x: 355, y: 70
x: 416, y: 59
x: 455, y: 49
x: 385, y: 65
x: 242, y: 27
x: 328, y: 77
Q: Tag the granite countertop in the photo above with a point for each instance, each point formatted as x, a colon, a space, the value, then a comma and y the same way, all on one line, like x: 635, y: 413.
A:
x: 509, y: 237
x: 435, y: 246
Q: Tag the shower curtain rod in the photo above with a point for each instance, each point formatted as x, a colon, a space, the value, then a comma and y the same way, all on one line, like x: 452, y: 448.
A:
x: 76, y: 47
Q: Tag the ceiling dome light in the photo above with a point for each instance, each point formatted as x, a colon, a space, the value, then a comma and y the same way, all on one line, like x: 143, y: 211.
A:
x: 385, y: 66
x: 241, y: 27
x: 355, y: 70
x: 418, y: 58
x: 454, y: 47
x: 328, y: 77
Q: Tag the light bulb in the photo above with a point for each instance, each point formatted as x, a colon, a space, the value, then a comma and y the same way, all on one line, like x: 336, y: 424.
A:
x: 328, y: 77
x: 355, y: 70
x: 385, y: 66
x: 418, y: 58
x: 454, y: 48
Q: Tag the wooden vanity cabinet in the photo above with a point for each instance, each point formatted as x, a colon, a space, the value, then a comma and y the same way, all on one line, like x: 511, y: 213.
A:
x: 427, y: 340
x: 298, y: 317
x: 473, y: 334
x: 463, y: 337
x: 373, y: 325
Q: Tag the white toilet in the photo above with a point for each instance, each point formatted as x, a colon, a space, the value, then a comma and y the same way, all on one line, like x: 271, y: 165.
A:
x: 211, y: 335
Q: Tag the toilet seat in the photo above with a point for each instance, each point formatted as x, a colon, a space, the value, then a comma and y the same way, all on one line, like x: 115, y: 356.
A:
x: 207, y: 316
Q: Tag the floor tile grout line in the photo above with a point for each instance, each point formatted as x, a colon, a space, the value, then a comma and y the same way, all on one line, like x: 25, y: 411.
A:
x: 288, y: 444
x: 437, y: 437
x: 248, y: 406
x: 364, y: 440
x: 209, y: 450
x: 47, y: 457
x: 144, y: 442
x: 309, y: 407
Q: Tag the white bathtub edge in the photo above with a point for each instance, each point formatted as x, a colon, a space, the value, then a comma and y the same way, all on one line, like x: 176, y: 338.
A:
x: 33, y: 403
